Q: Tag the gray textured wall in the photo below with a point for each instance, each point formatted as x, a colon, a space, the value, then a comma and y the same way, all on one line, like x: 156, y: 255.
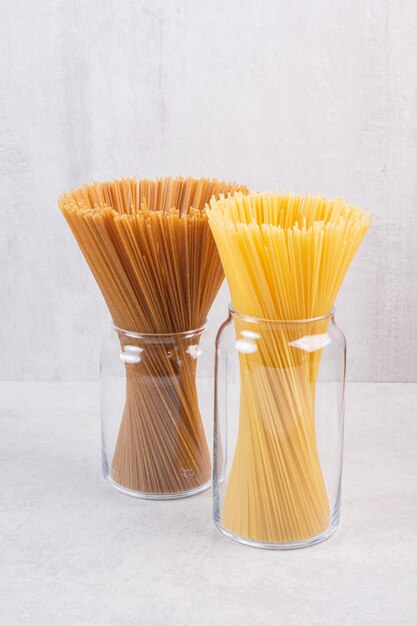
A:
x: 316, y: 96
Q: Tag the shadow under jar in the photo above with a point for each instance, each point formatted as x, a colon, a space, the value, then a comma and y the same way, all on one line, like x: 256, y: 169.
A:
x: 278, y: 430
x: 154, y: 442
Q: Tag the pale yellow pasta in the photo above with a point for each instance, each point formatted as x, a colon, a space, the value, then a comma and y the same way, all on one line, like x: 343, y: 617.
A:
x: 284, y: 258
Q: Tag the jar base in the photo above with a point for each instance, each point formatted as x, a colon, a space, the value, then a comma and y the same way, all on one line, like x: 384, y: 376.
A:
x: 156, y: 496
x: 290, y: 545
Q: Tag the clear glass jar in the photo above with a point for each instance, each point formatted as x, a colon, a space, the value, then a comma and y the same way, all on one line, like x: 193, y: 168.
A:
x: 278, y: 431
x: 156, y: 403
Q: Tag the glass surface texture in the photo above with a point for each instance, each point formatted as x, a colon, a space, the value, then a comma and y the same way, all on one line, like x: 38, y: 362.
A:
x: 278, y: 431
x: 156, y: 398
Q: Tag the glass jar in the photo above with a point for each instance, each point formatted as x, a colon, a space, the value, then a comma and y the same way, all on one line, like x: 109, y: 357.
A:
x: 156, y: 402
x: 278, y: 431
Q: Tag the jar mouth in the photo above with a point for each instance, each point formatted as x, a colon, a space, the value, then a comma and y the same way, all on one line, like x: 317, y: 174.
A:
x: 261, y: 320
x: 161, y: 336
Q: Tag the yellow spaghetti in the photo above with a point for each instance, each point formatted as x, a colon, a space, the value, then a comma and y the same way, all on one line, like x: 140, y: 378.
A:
x: 152, y: 254
x: 284, y: 258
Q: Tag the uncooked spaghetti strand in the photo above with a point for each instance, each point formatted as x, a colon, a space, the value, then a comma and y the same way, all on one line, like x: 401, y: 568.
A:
x: 151, y: 251
x: 285, y: 258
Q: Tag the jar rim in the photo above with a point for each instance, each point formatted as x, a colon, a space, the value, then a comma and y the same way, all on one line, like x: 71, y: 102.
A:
x: 138, y: 335
x: 261, y: 320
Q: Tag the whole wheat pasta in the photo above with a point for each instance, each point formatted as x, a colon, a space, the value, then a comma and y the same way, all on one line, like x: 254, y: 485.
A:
x: 152, y: 254
x: 284, y: 258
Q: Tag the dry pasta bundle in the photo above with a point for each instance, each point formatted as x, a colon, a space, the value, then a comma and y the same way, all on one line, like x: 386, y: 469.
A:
x: 152, y: 254
x: 284, y: 258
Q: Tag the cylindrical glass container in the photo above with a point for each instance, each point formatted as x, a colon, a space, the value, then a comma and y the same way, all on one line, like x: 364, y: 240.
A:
x: 278, y: 432
x: 155, y: 402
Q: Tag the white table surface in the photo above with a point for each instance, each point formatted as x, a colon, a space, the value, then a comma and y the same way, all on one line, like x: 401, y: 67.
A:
x: 75, y: 552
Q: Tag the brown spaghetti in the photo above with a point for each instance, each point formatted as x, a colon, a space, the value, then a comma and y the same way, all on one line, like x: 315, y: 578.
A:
x: 152, y: 254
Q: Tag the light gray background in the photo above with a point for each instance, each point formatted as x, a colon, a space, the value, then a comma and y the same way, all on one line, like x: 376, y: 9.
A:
x: 304, y: 96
